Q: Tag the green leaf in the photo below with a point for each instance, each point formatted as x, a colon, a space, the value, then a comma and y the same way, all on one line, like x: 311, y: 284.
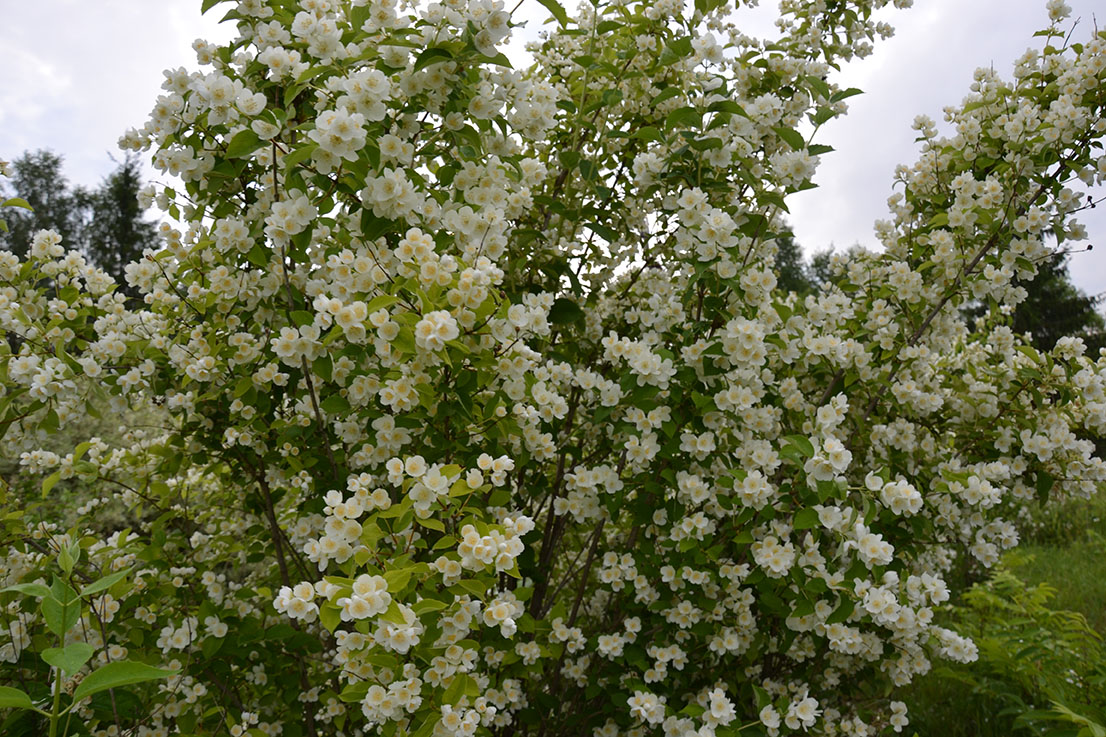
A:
x: 842, y: 612
x: 119, y: 673
x: 397, y: 579
x: 330, y: 616
x: 427, y: 605
x: 37, y: 590
x: 556, y: 11
x: 666, y: 94
x: 13, y: 698
x: 802, y: 443
x: 805, y: 519
x: 588, y: 169
x: 845, y: 94
x: 70, y: 658
x: 433, y: 55
x: 1045, y: 481
x: 17, y: 202
x: 430, y: 523
x: 301, y: 154
x: 568, y: 159
x: 791, y: 137
x: 384, y: 300
x: 243, y: 144
x: 60, y: 618
x: 50, y: 482
x: 457, y: 688
x: 394, y: 614
x: 685, y: 118
x: 106, y: 582
x: 335, y: 404
x: 565, y: 312
x: 648, y: 133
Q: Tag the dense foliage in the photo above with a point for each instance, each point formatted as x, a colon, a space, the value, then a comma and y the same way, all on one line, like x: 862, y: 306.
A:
x: 486, y: 414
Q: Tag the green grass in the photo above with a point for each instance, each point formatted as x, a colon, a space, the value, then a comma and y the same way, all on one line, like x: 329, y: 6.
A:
x: 1065, y: 547
x: 1077, y: 571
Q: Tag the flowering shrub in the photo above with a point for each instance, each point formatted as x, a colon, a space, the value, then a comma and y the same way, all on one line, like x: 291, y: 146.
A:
x: 485, y: 415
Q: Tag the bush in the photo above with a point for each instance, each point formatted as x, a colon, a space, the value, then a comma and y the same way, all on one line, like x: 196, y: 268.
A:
x: 486, y: 413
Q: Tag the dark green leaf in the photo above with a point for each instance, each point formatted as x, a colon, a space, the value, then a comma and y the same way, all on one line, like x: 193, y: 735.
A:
x: 433, y: 55
x: 565, y: 312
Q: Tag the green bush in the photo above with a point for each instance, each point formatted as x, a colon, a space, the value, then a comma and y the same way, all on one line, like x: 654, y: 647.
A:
x: 1041, y: 671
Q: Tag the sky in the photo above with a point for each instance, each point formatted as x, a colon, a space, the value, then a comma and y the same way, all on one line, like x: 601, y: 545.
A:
x: 77, y: 74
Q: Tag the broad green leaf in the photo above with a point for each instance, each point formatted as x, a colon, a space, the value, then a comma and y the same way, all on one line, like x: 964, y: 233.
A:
x: 430, y: 523
x: 301, y: 154
x: 38, y: 590
x: 70, y: 658
x: 684, y: 118
x: 805, y: 519
x: 119, y: 673
x: 565, y: 312
x: 427, y: 605
x: 666, y: 94
x: 330, y: 616
x: 106, y: 582
x: 455, y: 690
x: 13, y: 698
x: 243, y: 144
x: 60, y: 618
x: 791, y: 137
x: 433, y: 55
x: 397, y: 579
x: 845, y: 94
x: 335, y: 404
x: 378, y: 303
x: 394, y: 614
x: 802, y: 443
x: 648, y: 133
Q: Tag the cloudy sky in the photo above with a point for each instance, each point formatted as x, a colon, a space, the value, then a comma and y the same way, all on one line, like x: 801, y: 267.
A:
x: 76, y: 74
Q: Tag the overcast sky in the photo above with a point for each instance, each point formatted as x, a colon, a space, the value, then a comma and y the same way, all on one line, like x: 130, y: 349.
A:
x: 77, y: 73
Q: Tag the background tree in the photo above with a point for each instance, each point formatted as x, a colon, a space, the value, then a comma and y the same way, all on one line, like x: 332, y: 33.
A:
x: 116, y: 233
x: 1056, y: 308
x: 37, y: 177
x: 792, y: 270
x: 106, y: 223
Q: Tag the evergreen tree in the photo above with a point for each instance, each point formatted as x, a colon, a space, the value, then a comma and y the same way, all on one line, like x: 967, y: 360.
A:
x: 792, y: 271
x: 1056, y: 308
x: 116, y: 232
x: 105, y: 223
x: 38, y: 178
